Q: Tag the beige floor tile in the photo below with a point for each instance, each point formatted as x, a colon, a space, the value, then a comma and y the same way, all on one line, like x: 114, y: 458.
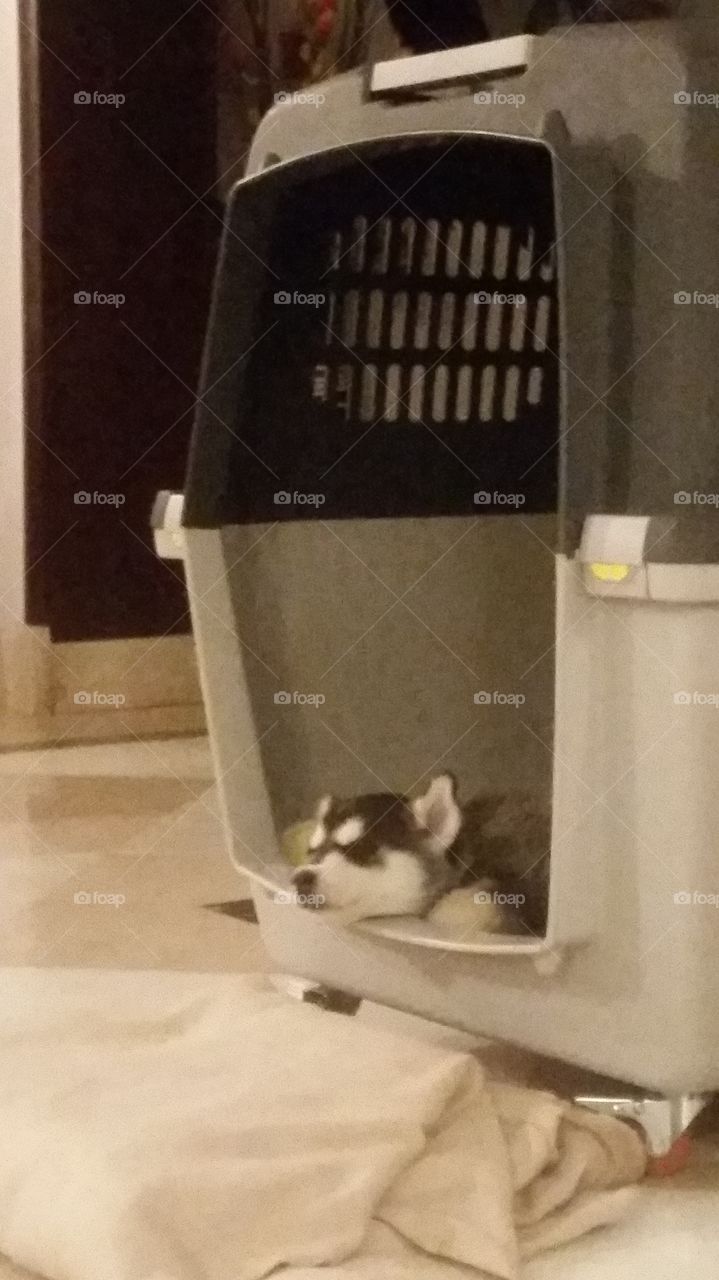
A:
x: 108, y: 855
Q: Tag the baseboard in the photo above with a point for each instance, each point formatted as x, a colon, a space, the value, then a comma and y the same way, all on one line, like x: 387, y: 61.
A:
x: 25, y: 670
x: 23, y: 733
x: 90, y: 676
x: 95, y: 691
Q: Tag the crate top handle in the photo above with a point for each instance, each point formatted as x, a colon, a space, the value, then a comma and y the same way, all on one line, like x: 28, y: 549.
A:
x: 463, y: 65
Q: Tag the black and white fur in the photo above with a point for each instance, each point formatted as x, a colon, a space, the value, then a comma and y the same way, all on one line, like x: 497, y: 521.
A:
x: 384, y: 854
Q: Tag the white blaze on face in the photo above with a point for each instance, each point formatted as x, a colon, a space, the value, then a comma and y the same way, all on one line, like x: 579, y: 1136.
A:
x: 318, y: 836
x: 395, y: 887
x: 348, y: 831
x: 323, y: 808
x: 342, y: 835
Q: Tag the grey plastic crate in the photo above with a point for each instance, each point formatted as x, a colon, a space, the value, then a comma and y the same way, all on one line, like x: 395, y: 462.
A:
x: 612, y: 171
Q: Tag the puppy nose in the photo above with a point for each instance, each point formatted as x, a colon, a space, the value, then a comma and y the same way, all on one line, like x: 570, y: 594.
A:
x: 305, y: 881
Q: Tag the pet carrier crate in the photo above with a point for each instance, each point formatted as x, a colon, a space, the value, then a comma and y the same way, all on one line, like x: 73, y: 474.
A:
x: 451, y: 503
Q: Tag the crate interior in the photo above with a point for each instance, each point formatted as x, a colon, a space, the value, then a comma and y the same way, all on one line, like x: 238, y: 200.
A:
x: 380, y: 652
x: 391, y: 496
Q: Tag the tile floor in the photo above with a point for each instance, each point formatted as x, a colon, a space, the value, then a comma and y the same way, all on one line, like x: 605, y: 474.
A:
x: 138, y: 822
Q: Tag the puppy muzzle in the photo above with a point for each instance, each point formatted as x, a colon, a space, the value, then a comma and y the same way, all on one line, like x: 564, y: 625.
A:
x: 306, y: 888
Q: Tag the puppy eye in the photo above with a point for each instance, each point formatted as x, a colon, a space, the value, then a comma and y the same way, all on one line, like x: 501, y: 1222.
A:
x: 318, y: 855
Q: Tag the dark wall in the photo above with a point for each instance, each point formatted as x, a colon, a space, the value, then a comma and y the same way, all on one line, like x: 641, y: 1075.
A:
x: 124, y: 206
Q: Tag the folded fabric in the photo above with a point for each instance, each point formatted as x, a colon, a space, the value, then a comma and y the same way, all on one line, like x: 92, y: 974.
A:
x: 194, y: 1127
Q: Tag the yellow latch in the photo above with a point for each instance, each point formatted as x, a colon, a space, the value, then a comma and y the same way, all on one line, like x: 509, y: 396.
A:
x: 611, y: 572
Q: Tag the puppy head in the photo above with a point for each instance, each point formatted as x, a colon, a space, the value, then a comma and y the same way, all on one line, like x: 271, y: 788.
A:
x: 381, y: 854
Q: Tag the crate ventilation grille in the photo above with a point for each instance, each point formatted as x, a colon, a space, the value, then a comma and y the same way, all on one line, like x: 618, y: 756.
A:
x: 436, y: 321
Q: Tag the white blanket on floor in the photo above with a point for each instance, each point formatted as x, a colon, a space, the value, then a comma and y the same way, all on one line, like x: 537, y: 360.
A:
x: 184, y: 1127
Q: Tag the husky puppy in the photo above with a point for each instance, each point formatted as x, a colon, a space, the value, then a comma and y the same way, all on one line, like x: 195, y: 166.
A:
x: 383, y: 854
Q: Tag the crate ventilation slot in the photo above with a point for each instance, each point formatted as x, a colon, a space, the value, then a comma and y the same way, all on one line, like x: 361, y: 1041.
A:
x: 407, y: 337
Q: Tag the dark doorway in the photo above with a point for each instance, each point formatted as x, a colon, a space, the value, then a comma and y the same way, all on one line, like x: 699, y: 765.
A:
x: 120, y: 145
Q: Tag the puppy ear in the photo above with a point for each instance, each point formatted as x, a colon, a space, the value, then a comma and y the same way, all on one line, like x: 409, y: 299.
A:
x: 323, y: 808
x: 437, y: 811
